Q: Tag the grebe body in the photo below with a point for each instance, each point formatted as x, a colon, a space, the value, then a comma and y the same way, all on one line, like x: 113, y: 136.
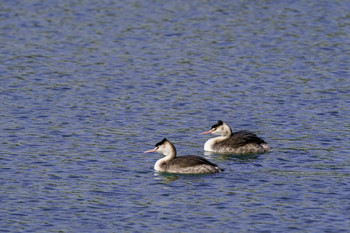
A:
x: 240, y: 143
x: 181, y: 165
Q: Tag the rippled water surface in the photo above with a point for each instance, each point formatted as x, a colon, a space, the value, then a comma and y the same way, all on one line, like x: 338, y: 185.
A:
x: 87, y: 86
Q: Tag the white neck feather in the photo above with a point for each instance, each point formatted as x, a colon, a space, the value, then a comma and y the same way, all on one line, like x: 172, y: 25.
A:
x: 208, y: 146
x: 157, y: 165
x: 170, y: 153
x: 227, y: 132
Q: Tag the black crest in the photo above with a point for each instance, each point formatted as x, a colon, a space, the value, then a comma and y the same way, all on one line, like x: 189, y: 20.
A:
x: 217, y: 124
x: 161, y: 142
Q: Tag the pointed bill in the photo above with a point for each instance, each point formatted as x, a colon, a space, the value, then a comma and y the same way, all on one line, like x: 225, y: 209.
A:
x: 207, y: 132
x: 153, y: 150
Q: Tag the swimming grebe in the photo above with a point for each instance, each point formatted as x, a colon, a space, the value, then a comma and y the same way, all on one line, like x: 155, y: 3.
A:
x: 182, y: 165
x: 241, y: 142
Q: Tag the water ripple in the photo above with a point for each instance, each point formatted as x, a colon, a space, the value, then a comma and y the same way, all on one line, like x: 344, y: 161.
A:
x: 86, y: 87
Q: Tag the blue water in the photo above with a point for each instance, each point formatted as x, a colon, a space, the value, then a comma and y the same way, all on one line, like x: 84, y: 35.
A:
x: 87, y: 86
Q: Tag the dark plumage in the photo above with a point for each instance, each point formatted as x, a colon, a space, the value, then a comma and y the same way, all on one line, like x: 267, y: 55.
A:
x: 241, y: 138
x: 161, y: 142
x: 217, y: 124
x: 184, y: 162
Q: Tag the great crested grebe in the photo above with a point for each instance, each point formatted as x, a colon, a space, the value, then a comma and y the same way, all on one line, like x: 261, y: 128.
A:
x: 189, y: 164
x: 241, y: 142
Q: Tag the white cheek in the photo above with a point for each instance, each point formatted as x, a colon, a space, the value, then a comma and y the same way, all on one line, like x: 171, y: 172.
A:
x: 216, y: 132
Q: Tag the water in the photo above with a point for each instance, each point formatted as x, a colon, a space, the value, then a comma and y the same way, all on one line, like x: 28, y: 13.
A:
x: 87, y: 86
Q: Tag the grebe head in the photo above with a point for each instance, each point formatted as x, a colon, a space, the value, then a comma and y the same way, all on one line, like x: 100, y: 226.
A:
x: 220, y: 128
x: 164, y: 147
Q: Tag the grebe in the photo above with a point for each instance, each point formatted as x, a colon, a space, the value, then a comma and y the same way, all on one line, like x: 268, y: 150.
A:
x: 182, y: 165
x: 241, y: 142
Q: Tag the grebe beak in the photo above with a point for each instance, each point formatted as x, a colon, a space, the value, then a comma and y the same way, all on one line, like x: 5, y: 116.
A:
x: 153, y: 150
x: 208, y: 132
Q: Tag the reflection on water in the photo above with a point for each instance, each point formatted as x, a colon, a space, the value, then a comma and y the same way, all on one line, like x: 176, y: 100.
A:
x: 166, y: 177
x: 210, y: 154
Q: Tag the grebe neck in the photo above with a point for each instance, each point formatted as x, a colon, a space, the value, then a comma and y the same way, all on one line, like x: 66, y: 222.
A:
x: 226, y: 133
x: 208, y: 146
x: 169, y: 153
